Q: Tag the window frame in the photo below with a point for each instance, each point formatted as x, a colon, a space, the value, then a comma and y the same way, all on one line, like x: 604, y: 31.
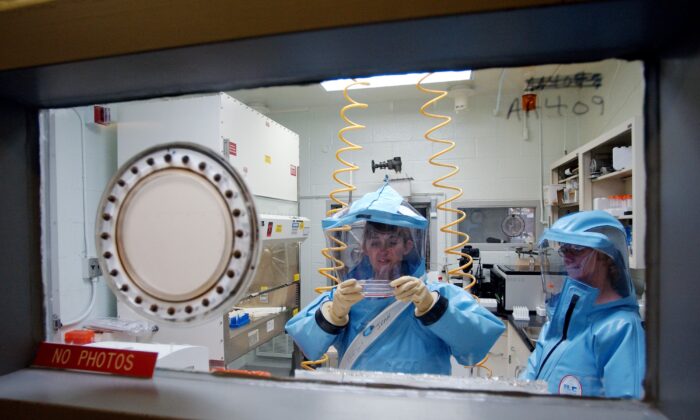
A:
x: 93, y: 81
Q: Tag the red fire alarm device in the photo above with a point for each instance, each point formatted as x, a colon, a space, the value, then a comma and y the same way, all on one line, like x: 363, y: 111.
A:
x: 529, y: 102
x: 102, y: 115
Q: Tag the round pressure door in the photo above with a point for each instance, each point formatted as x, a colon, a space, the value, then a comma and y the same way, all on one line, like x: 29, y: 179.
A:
x: 176, y: 233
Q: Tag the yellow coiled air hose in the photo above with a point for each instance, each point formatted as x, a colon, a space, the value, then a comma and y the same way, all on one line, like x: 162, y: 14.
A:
x: 331, y: 272
x: 452, y: 250
x: 328, y: 272
x: 308, y: 364
x: 460, y: 271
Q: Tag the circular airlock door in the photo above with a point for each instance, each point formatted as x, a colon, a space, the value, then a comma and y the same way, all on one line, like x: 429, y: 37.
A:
x: 176, y: 233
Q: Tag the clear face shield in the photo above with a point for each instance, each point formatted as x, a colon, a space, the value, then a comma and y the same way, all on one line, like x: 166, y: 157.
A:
x: 560, y: 260
x: 587, y: 265
x: 378, y: 253
x: 552, y: 269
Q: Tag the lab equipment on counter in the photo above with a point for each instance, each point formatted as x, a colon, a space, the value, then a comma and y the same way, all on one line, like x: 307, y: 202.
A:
x: 519, y: 284
x: 488, y: 303
x: 521, y: 313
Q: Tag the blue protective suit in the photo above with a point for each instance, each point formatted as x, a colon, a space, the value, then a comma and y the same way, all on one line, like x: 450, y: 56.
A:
x: 584, y: 348
x: 603, y: 354
x: 456, y: 325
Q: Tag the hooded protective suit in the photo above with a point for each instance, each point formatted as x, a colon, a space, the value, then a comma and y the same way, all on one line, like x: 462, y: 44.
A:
x: 455, y: 325
x: 586, y: 348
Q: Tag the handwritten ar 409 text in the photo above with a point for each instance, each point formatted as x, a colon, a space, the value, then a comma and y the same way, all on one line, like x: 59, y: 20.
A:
x: 578, y: 108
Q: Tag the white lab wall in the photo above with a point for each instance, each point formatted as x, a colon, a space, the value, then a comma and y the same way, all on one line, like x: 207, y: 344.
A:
x: 623, y: 91
x: 72, y: 228
x: 499, y: 157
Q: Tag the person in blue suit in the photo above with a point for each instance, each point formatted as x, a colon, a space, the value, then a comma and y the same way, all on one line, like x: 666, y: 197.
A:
x: 593, y: 342
x: 383, y: 316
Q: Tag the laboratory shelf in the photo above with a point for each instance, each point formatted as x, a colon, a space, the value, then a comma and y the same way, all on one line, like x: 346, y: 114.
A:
x: 625, y: 173
x: 563, y: 181
x: 567, y: 205
x: 628, y: 182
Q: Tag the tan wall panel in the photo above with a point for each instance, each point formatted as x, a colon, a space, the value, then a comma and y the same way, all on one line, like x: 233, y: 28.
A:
x: 70, y: 30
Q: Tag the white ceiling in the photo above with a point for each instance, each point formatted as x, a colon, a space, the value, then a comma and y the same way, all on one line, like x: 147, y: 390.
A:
x: 484, y: 82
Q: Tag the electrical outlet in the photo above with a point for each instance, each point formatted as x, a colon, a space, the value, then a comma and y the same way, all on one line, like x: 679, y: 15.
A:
x: 91, y: 268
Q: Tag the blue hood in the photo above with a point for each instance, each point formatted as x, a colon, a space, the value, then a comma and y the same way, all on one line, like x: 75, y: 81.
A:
x: 382, y: 206
x: 599, y: 230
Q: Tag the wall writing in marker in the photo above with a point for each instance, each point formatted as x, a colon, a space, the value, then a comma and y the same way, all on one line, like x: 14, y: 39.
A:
x: 578, y: 80
x: 577, y: 108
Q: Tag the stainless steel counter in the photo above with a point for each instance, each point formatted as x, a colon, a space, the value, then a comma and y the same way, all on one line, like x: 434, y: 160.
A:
x: 528, y: 331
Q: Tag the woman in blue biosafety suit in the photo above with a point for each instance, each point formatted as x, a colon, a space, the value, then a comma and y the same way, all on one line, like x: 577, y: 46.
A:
x: 383, y: 316
x: 593, y: 342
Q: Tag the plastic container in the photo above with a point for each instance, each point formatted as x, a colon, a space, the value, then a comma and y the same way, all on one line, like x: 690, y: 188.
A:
x: 601, y: 203
x: 521, y: 313
x: 617, y: 205
x: 378, y: 288
x: 490, y: 304
x: 238, y: 320
x: 79, y: 337
x: 140, y: 328
x: 627, y: 202
x: 621, y: 157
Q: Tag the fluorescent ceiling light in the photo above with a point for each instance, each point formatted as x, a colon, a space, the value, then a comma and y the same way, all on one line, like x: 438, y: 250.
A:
x: 397, y: 80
